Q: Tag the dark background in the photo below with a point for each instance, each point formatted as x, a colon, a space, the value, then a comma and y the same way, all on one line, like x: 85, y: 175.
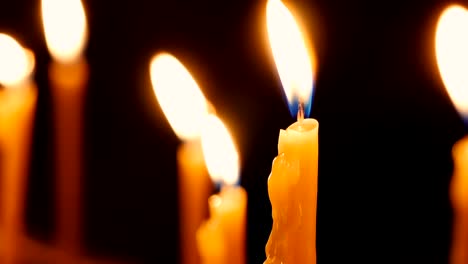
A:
x: 386, y: 124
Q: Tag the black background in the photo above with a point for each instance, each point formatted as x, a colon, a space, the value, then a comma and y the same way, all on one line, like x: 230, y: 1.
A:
x: 386, y: 124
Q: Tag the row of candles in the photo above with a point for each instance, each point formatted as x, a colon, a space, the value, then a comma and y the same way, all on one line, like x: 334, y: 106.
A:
x: 207, y: 149
x: 66, y: 36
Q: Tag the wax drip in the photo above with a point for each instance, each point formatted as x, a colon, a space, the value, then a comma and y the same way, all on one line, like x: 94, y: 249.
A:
x: 300, y: 113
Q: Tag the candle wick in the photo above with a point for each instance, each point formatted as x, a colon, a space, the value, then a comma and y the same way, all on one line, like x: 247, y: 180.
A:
x: 300, y: 113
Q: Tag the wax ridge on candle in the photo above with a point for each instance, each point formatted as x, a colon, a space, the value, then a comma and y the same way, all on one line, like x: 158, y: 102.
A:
x: 285, y: 171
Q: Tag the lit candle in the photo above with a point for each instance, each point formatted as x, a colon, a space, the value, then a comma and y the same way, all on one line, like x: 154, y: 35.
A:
x: 292, y: 185
x: 185, y: 107
x: 221, y: 239
x: 17, y: 103
x: 451, y: 45
x: 65, y: 29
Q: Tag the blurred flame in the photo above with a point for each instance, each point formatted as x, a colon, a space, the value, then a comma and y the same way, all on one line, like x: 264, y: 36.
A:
x: 451, y: 44
x: 290, y: 53
x: 219, y: 151
x: 15, y: 66
x: 178, y: 95
x: 65, y: 28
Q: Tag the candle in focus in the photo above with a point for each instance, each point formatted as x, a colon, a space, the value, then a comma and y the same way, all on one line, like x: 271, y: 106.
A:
x: 185, y: 107
x: 451, y: 44
x: 17, y: 103
x: 221, y: 239
x: 292, y: 185
x: 65, y: 29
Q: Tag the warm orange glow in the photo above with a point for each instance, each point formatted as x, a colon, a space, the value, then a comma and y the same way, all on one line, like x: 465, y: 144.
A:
x: 451, y: 45
x: 178, y: 95
x: 219, y: 151
x: 16, y: 64
x: 65, y: 28
x: 292, y: 58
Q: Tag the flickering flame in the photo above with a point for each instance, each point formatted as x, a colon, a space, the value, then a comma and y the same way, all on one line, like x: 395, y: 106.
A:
x: 292, y: 58
x: 65, y: 28
x: 15, y: 65
x: 178, y: 95
x: 219, y: 151
x: 451, y: 44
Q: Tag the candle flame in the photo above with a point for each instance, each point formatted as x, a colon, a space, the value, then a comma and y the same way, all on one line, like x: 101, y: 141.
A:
x: 65, y: 28
x: 16, y: 64
x: 219, y: 151
x: 178, y: 95
x: 290, y: 53
x: 451, y: 45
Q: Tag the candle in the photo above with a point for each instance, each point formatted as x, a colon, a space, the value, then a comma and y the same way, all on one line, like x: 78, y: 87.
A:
x: 221, y: 239
x: 459, y: 197
x: 17, y: 103
x: 185, y: 107
x: 65, y: 29
x: 292, y: 185
x: 451, y: 44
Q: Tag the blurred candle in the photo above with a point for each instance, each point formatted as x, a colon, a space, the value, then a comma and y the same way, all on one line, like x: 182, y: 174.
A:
x: 292, y: 185
x: 65, y: 29
x: 221, y: 239
x: 17, y: 103
x: 185, y: 107
x: 451, y: 44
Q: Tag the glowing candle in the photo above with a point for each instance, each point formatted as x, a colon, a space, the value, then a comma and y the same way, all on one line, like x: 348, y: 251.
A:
x: 65, y: 30
x: 17, y: 103
x: 185, y: 108
x: 221, y: 239
x: 292, y: 185
x: 452, y: 58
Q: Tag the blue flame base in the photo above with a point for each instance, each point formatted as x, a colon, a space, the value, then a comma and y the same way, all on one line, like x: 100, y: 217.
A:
x: 294, y: 106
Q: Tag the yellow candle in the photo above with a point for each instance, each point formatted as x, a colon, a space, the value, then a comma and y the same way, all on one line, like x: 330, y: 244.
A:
x: 221, y: 239
x: 185, y: 108
x: 17, y: 103
x: 292, y: 185
x: 452, y: 58
x: 65, y: 30
x: 194, y: 189
x: 459, y: 197
x: 68, y: 102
